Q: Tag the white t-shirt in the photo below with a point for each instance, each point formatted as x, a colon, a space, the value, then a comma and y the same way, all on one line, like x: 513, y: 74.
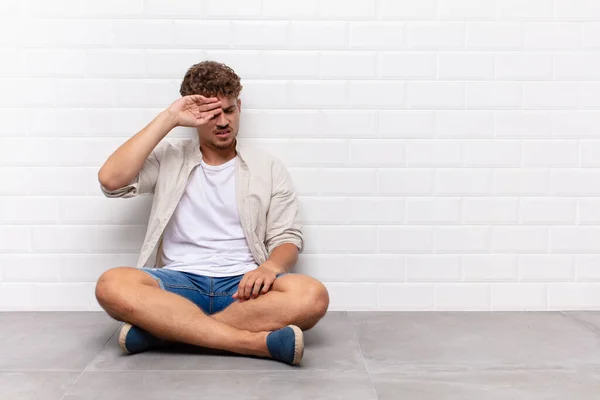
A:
x: 204, y: 235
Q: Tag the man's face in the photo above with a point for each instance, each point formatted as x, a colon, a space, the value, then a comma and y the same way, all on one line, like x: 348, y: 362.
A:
x: 220, y: 132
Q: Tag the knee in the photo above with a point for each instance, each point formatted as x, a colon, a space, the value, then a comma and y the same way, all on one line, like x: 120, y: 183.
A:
x: 110, y: 290
x: 317, y: 301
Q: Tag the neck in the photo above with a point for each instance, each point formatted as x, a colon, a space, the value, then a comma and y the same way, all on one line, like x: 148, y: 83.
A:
x: 214, y: 156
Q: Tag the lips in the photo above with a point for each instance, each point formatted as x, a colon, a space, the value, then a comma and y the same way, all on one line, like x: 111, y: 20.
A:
x: 223, y: 133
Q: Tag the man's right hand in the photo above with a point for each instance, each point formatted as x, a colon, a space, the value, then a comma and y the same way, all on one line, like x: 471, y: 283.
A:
x: 194, y: 110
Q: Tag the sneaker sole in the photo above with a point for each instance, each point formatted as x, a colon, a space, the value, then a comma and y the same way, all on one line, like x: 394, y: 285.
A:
x: 299, y: 344
x: 122, y: 335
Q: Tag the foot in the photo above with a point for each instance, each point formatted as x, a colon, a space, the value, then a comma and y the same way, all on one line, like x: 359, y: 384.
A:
x: 135, y: 340
x: 286, y: 344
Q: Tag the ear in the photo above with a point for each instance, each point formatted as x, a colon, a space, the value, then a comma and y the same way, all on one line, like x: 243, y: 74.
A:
x: 239, y: 104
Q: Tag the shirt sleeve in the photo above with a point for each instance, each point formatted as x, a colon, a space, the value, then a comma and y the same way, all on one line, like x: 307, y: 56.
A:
x: 284, y: 223
x: 145, y: 180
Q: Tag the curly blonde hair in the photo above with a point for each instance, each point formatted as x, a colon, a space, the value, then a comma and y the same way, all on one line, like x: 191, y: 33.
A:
x: 210, y: 79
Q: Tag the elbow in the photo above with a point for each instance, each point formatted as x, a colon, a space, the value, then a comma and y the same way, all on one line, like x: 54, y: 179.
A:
x: 107, y: 181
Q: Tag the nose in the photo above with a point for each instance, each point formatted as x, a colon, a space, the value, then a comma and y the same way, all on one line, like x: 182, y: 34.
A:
x: 221, y: 121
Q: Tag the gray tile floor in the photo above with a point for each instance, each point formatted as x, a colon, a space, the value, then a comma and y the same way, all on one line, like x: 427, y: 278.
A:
x: 362, y: 355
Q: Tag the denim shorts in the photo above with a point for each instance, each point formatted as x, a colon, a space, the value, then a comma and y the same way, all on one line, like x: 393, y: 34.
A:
x: 211, y: 294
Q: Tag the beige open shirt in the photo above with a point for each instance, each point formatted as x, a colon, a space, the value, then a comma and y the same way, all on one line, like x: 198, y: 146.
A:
x: 266, y: 200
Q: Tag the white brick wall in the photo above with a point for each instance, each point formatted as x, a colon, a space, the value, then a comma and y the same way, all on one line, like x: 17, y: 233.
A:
x: 446, y: 152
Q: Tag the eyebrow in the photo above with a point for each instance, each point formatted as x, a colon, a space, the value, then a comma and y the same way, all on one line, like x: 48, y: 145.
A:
x: 231, y: 107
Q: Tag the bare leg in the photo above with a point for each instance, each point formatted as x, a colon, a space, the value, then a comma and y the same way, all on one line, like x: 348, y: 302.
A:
x: 294, y: 299
x: 133, y: 296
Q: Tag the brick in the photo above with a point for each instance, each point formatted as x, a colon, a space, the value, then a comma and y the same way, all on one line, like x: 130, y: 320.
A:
x: 348, y: 181
x: 232, y: 8
x: 552, y: 36
x: 30, y: 210
x: 144, y: 93
x: 577, y: 10
x: 494, y: 36
x: 53, y: 62
x: 492, y: 153
x: 202, y: 34
x: 466, y: 66
x: 109, y: 63
x: 351, y: 267
x: 87, y: 92
x: 435, y: 36
x: 588, y: 211
x: 462, y: 296
x: 345, y: 9
x: 29, y: 296
x: 550, y: 95
x: 185, y: 8
x: 346, y: 239
x: 465, y: 124
x: 436, y: 95
x: 438, y: 211
x: 170, y: 63
x: 489, y: 268
x: 577, y: 124
x: 320, y: 35
x: 467, y: 239
x: 343, y: 296
x: 291, y: 64
x: 522, y: 123
x: 15, y: 238
x: 412, y: 296
x: 348, y: 65
x: 574, y: 239
x: 290, y: 9
x: 577, y: 66
x: 555, y: 153
x: 253, y: 94
x: 490, y: 211
x: 405, y: 240
x: 571, y: 296
x: 377, y: 94
x: 590, y: 97
x: 409, y: 182
x: 20, y: 92
x: 283, y: 123
x: 519, y: 239
x: 493, y: 95
x: 463, y: 182
x: 407, y: 9
x: 523, y: 66
x: 406, y: 124
x: 519, y: 297
x: 407, y: 65
x: 49, y: 181
x: 432, y: 268
x: 317, y: 210
x: 144, y: 33
x: 586, y: 266
x: 525, y: 10
x: 466, y: 9
x: 348, y: 123
x: 260, y: 34
x: 98, y: 210
x: 591, y: 35
x: 521, y: 182
x: 311, y: 94
x: 376, y: 35
x: 87, y: 239
x: 388, y: 152
x: 574, y: 182
x: 552, y: 211
x: 377, y: 210
x: 546, y: 268
x: 433, y: 153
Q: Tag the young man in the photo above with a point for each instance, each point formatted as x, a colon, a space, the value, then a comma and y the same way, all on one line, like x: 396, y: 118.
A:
x: 223, y: 234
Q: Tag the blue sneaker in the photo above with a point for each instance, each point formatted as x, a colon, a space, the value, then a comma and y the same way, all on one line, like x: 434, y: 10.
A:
x: 286, y: 344
x: 135, y: 340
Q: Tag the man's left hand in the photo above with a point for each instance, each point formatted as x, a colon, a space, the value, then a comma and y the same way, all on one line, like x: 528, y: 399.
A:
x: 256, y: 282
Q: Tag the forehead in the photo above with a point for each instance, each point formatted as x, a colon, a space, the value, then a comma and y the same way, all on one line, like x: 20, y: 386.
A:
x: 228, y: 101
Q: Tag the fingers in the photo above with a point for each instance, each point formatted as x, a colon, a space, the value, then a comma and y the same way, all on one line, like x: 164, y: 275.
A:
x: 247, y: 288
x: 207, y: 116
x: 267, y: 285
x: 257, y: 287
x: 196, y: 98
